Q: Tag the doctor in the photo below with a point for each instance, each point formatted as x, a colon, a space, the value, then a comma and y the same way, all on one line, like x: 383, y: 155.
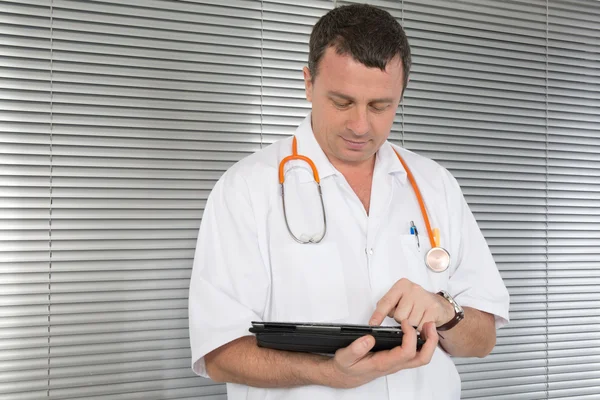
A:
x: 384, y: 207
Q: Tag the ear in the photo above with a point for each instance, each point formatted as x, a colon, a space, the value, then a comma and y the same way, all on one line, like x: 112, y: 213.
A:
x: 308, y: 84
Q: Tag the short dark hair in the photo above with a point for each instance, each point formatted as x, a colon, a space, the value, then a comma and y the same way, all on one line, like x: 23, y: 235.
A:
x: 372, y: 36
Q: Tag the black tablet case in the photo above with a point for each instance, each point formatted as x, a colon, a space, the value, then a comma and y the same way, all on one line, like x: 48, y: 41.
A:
x: 323, y: 338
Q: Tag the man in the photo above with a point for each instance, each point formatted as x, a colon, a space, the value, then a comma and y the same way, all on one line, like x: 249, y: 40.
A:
x: 368, y: 267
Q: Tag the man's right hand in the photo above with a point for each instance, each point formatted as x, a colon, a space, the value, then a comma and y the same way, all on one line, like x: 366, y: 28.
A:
x: 354, y: 365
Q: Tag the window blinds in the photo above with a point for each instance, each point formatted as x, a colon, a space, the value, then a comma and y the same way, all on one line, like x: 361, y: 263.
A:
x: 478, y: 107
x: 117, y: 118
x: 573, y: 199
x: 25, y: 193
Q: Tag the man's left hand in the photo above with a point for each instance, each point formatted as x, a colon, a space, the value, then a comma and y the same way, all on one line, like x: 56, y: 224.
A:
x: 409, y: 301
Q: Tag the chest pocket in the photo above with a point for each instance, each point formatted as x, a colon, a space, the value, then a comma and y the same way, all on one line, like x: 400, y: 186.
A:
x: 418, y: 272
x: 308, y: 283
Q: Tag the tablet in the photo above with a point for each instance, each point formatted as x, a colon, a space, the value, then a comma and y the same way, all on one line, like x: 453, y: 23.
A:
x: 322, y: 337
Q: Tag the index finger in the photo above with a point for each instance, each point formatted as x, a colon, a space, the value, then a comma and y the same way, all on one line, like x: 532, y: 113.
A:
x: 387, y: 303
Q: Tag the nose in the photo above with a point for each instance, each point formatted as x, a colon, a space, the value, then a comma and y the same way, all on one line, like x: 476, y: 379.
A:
x: 358, y: 121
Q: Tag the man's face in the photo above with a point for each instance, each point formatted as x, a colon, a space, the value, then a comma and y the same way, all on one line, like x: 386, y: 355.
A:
x: 353, y: 106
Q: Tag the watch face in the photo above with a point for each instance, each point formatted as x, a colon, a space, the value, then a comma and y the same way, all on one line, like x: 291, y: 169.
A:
x: 459, y: 309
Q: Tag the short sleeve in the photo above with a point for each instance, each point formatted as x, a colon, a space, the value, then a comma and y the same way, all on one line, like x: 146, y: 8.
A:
x: 229, y: 283
x: 475, y: 280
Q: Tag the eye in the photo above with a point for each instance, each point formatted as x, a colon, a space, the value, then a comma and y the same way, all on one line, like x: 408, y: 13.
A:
x: 341, y: 106
x: 379, y: 108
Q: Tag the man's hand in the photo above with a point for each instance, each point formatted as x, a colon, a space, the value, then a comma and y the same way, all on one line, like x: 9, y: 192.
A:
x: 354, y: 365
x: 407, y: 301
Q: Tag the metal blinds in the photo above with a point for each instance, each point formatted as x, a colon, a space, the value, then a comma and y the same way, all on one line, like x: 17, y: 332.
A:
x: 25, y: 105
x: 476, y: 103
x: 117, y: 117
x: 286, y: 30
x: 144, y: 120
x: 574, y: 199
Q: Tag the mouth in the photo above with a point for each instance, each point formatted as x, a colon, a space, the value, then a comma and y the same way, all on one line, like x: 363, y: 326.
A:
x: 355, y: 144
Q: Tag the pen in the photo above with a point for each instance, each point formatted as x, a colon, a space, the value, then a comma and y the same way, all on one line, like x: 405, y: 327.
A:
x: 414, y: 231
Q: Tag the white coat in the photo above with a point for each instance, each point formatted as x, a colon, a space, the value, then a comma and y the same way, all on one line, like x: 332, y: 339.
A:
x: 247, y: 267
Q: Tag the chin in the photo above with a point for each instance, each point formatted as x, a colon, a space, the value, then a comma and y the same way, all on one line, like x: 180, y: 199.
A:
x: 353, y: 156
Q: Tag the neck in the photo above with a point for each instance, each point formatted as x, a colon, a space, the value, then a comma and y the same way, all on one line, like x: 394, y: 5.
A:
x: 360, y: 178
x: 361, y: 168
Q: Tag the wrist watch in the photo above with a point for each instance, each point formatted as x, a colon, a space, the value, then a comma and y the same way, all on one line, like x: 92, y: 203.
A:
x: 459, y: 313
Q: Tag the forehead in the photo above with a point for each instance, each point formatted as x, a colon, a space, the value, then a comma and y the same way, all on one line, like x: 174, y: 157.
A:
x: 342, y: 73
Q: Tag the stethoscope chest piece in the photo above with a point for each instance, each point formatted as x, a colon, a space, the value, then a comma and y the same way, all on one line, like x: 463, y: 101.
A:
x: 437, y: 259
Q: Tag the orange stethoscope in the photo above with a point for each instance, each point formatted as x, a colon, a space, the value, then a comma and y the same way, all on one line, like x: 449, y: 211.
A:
x: 437, y: 258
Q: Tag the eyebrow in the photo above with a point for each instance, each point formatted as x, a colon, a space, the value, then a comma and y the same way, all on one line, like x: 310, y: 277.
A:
x: 349, y: 98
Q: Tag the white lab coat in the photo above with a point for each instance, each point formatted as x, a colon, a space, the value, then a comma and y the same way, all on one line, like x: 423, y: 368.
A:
x: 248, y: 268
